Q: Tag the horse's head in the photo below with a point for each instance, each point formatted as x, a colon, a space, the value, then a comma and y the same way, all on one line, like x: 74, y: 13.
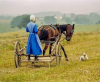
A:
x: 69, y: 31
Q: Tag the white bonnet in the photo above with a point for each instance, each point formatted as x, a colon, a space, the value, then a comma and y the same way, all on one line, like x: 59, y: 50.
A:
x: 32, y: 17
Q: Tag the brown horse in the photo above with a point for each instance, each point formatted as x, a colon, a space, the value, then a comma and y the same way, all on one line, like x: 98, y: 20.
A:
x: 50, y: 32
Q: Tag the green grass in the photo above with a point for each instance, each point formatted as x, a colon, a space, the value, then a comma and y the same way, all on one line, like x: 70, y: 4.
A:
x: 85, y: 39
x: 6, y: 27
x: 87, y: 28
x: 67, y: 71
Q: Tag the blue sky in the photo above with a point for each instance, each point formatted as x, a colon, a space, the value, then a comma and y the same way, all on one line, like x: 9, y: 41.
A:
x: 64, y: 6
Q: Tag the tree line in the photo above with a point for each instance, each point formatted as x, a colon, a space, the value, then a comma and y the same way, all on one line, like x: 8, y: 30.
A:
x: 22, y: 20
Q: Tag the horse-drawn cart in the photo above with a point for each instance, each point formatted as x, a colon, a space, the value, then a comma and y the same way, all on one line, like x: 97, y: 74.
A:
x: 20, y: 56
x: 55, y: 53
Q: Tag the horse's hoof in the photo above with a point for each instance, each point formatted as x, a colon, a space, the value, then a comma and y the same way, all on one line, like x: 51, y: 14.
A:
x: 66, y: 59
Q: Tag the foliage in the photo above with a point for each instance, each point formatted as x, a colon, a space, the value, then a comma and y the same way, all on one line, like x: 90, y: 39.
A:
x: 50, y: 20
x: 92, y: 18
x: 20, y: 21
x: 24, y: 21
x: 72, y: 17
x: 98, y: 22
x: 82, y: 20
x: 16, y: 21
x: 64, y: 17
x: 68, y: 20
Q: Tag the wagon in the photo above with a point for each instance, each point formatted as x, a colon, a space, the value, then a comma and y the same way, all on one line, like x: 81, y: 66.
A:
x: 20, y: 56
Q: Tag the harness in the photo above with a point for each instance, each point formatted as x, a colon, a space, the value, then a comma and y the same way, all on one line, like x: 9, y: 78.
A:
x: 52, y: 27
x: 71, y: 31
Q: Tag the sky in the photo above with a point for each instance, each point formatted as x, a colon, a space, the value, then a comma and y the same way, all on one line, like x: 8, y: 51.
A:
x: 14, y: 7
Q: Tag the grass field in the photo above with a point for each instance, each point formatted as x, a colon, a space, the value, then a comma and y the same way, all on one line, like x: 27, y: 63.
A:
x: 86, y: 38
x: 6, y: 27
x: 86, y: 28
x: 67, y: 71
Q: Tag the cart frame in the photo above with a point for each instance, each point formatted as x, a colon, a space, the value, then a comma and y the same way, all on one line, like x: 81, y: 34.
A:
x: 55, y: 54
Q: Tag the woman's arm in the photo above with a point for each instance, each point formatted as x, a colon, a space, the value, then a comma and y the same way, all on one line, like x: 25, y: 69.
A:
x: 27, y: 29
x: 35, y: 29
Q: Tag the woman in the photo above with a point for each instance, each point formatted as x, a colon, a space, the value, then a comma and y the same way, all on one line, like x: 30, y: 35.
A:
x: 33, y: 43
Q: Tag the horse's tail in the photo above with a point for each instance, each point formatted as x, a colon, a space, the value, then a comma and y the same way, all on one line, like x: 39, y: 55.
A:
x: 43, y: 34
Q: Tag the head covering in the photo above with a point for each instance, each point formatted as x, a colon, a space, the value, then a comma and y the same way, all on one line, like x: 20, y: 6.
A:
x: 32, y: 17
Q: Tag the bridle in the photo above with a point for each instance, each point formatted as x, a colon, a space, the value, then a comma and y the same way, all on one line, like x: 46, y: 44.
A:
x: 71, y: 31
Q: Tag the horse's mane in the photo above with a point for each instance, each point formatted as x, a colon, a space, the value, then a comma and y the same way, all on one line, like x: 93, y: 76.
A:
x: 63, y: 27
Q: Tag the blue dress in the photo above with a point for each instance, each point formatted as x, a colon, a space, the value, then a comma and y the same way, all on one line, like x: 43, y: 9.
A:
x: 33, y: 43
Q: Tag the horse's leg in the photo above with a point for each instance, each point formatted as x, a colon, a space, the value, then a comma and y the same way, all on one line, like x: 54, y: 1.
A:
x: 46, y: 46
x: 64, y: 53
x: 50, y: 49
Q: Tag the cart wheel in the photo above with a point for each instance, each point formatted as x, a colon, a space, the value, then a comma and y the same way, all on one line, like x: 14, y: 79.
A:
x: 17, y: 59
x: 59, y: 53
x: 17, y: 56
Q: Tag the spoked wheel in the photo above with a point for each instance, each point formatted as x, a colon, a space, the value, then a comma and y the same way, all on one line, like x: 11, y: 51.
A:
x: 59, y: 53
x: 17, y: 56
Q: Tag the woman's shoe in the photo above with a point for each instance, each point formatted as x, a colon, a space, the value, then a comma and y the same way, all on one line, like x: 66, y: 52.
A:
x: 36, y: 58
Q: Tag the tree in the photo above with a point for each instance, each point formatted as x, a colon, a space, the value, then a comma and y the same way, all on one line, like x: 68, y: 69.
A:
x: 73, y: 16
x: 94, y: 17
x: 50, y: 20
x: 68, y: 20
x: 82, y: 20
x: 16, y: 21
x: 64, y: 17
x: 24, y: 21
x: 20, y: 21
x: 98, y: 22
